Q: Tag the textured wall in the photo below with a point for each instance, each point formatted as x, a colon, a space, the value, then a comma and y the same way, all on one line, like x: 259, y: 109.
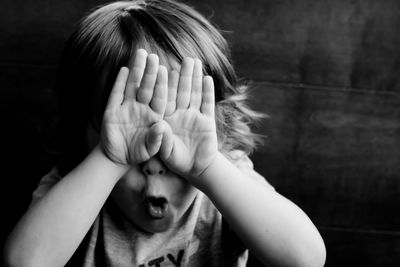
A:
x: 327, y: 73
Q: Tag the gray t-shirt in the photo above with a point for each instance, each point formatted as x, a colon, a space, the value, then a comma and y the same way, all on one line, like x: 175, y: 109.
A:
x: 203, y: 238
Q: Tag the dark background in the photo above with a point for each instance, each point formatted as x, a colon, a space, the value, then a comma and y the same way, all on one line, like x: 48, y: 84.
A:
x: 326, y: 71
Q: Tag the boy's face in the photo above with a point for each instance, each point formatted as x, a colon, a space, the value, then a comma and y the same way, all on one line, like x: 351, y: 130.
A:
x: 153, y: 197
x: 149, y: 195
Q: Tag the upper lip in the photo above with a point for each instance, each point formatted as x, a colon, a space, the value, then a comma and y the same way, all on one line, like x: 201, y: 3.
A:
x: 158, y: 201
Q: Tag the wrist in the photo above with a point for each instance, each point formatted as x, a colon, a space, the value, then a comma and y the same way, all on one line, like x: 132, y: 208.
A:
x: 210, y: 175
x: 117, y: 168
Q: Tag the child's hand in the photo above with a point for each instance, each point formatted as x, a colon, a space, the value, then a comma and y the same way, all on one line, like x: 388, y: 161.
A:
x: 191, y: 146
x: 133, y: 120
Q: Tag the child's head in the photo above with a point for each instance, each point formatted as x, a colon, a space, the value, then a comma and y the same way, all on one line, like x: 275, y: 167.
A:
x: 106, y: 40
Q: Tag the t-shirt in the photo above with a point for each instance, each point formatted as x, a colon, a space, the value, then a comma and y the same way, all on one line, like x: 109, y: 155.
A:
x: 202, y: 238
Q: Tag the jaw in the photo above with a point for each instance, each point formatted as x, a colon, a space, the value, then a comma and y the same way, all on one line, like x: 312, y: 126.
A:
x: 156, y: 225
x: 154, y: 204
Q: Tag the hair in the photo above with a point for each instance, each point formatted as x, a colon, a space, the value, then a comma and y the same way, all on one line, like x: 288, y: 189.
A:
x: 104, y: 41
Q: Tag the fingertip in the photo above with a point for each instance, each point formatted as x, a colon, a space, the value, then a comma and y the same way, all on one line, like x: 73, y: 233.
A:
x: 162, y: 70
x: 123, y: 72
x: 167, y: 143
x: 158, y: 128
x: 208, y: 82
x: 208, y: 101
x: 173, y: 77
x: 116, y: 96
x: 154, y: 138
x: 162, y: 77
x: 187, y: 65
x: 173, y: 80
x: 138, y: 59
x: 160, y: 98
x: 197, y: 68
x: 188, y: 60
x: 141, y: 52
x: 152, y: 64
x: 197, y: 63
x: 153, y: 58
x: 174, y: 72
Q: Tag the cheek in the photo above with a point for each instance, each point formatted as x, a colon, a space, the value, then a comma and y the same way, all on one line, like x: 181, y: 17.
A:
x: 133, y: 180
x: 129, y: 188
x: 184, y: 193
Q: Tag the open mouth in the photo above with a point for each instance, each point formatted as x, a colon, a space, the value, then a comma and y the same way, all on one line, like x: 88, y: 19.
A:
x: 157, y: 207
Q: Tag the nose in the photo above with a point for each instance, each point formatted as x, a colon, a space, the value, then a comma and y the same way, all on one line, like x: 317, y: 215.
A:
x: 156, y: 186
x: 153, y: 166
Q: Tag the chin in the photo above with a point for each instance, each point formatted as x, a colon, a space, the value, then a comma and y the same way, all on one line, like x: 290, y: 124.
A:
x: 158, y: 225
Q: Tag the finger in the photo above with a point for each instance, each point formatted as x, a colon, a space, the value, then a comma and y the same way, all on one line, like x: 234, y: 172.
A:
x: 154, y: 138
x: 117, y: 92
x: 173, y: 79
x: 197, y: 80
x: 159, y: 99
x: 208, y: 102
x: 167, y: 143
x: 136, y: 66
x: 185, y: 84
x: 145, y: 91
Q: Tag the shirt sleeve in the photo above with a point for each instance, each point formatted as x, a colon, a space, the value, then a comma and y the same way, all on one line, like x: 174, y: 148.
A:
x: 243, y: 163
x: 45, y: 184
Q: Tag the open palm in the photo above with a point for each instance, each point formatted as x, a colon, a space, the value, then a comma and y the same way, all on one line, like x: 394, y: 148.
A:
x: 195, y: 140
x: 133, y: 120
x: 190, y: 115
x: 127, y: 128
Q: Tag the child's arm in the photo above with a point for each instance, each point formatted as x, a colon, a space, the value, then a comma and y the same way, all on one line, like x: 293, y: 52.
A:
x: 51, y: 230
x: 277, y: 231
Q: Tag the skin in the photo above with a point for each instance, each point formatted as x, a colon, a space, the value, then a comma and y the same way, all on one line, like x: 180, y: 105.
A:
x: 137, y: 119
x: 159, y: 139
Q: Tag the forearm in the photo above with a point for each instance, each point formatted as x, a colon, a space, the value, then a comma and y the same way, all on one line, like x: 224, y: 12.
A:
x: 51, y: 230
x: 276, y: 231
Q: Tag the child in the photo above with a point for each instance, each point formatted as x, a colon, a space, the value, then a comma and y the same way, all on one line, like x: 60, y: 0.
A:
x: 153, y: 158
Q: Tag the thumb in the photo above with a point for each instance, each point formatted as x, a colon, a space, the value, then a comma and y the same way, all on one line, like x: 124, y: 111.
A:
x: 154, y: 138
x: 167, y: 142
